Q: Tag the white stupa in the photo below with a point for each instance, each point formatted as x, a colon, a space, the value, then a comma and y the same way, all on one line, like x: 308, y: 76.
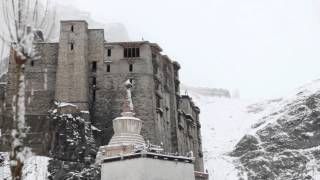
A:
x: 127, y: 128
x: 126, y: 156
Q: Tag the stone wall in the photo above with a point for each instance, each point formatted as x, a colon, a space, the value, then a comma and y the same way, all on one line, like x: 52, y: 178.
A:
x: 3, y: 85
x: 189, y: 135
x: 110, y: 91
x: 166, y: 106
x: 40, y: 78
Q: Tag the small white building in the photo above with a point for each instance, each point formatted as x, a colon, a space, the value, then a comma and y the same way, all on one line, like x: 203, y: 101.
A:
x: 147, y: 166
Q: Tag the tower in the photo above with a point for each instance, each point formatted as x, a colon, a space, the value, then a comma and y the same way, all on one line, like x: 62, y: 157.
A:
x: 72, y: 70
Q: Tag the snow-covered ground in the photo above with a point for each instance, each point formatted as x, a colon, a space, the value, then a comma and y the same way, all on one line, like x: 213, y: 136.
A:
x: 35, y: 168
x: 224, y: 122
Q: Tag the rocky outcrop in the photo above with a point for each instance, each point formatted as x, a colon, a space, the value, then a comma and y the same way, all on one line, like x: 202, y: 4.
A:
x: 73, y: 151
x: 72, y: 171
x: 285, y: 144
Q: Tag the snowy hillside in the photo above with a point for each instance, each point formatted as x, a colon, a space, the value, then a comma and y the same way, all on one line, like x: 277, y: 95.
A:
x: 284, y: 144
x: 269, y: 140
x: 224, y: 122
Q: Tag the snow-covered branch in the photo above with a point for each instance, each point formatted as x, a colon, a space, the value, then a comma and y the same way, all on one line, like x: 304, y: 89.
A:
x: 22, y: 20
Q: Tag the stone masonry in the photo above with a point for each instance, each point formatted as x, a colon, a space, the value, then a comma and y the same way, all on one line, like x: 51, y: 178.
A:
x: 85, y: 70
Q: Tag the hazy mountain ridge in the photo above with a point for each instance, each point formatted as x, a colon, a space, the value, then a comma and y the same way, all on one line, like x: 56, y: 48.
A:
x: 114, y: 31
x: 201, y: 91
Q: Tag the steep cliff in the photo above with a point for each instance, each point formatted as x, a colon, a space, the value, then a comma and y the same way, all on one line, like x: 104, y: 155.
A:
x: 73, y: 147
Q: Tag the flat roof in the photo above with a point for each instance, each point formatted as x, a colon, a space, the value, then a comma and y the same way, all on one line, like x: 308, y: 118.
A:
x: 149, y: 155
x: 67, y: 21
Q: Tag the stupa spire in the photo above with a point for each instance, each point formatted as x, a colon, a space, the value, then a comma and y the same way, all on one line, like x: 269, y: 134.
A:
x: 128, y: 104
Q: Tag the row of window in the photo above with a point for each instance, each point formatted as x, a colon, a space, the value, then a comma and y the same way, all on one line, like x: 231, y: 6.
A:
x: 94, y: 67
x: 128, y: 52
x: 131, y: 52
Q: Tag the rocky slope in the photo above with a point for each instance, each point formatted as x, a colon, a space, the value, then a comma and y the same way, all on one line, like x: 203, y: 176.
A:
x: 284, y: 144
x: 272, y: 139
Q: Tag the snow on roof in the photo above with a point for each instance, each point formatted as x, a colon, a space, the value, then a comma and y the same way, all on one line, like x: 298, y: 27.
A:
x: 95, y: 128
x: 64, y: 104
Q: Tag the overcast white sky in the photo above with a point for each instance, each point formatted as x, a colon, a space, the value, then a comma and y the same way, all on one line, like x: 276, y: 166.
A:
x: 265, y: 48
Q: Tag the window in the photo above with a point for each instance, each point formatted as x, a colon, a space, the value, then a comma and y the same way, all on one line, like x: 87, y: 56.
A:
x: 94, y: 66
x: 125, y: 52
x: 158, y: 102
x: 155, y: 65
x: 94, y: 85
x: 71, y: 46
x: 131, y: 52
x: 94, y: 81
x: 130, y: 67
x: 109, y: 52
x: 32, y: 63
x: 108, y: 67
x: 157, y: 85
x: 94, y: 96
x: 72, y: 28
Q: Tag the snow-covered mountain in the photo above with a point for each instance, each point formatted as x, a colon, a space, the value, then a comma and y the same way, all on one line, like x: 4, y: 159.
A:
x: 284, y: 144
x: 276, y: 139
